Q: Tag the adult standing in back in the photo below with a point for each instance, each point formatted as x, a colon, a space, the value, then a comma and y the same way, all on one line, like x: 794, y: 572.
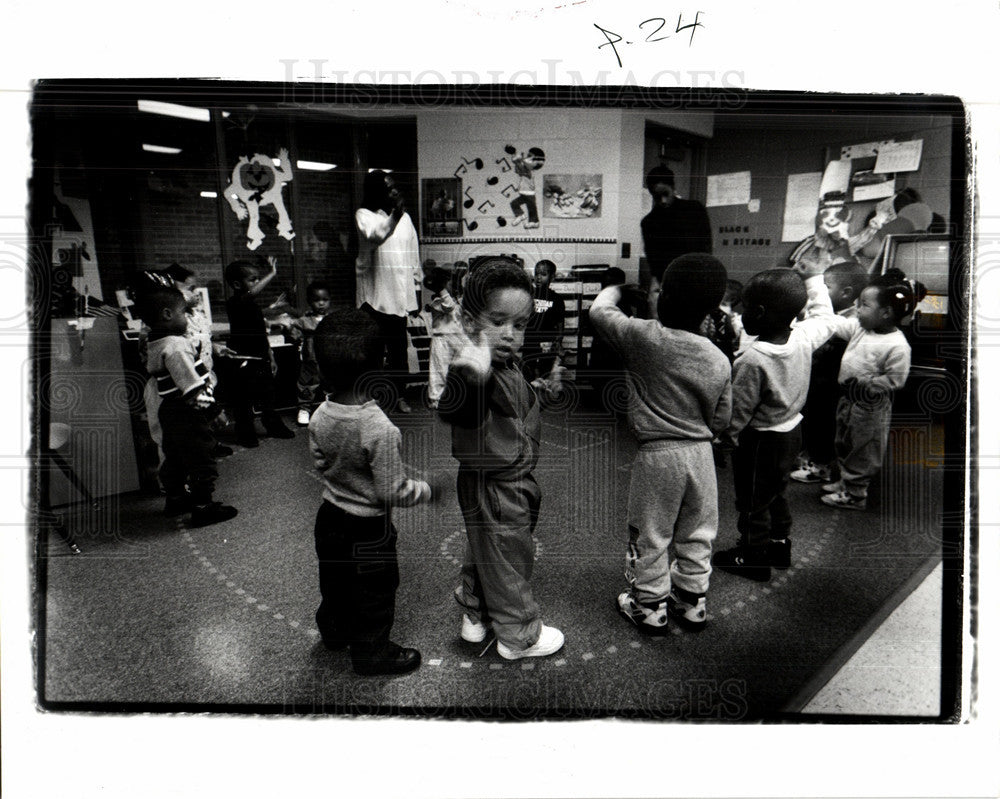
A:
x: 388, y: 268
x: 674, y: 227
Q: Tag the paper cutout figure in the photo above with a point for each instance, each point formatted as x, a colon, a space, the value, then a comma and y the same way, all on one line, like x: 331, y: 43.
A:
x: 256, y: 182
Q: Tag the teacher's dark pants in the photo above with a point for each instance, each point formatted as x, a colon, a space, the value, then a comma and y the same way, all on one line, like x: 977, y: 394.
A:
x: 392, y: 331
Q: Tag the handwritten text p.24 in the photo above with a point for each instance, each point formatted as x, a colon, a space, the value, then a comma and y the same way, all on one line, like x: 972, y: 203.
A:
x: 653, y: 28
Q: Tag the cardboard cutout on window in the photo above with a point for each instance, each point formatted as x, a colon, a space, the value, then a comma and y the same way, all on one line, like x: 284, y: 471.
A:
x: 256, y: 182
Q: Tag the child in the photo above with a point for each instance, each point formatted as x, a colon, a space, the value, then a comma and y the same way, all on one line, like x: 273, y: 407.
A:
x: 543, y: 338
x: 446, y: 331
x: 496, y: 427
x: 524, y: 165
x: 186, y: 408
x: 254, y: 381
x: 844, y: 281
x: 680, y: 400
x: 770, y: 382
x: 318, y: 297
x: 722, y: 325
x: 875, y: 364
x: 358, y: 452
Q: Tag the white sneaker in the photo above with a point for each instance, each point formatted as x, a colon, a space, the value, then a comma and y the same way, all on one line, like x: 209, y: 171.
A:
x: 649, y: 619
x: 549, y: 642
x: 303, y: 418
x: 473, y: 631
x: 834, y: 488
x: 811, y: 473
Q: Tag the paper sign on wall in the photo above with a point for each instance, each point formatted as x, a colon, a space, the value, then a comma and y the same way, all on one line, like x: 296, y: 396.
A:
x: 901, y: 156
x: 729, y: 189
x: 801, y: 200
x: 866, y: 150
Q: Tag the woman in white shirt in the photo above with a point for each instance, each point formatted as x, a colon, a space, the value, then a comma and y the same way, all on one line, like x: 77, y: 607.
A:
x: 388, y: 267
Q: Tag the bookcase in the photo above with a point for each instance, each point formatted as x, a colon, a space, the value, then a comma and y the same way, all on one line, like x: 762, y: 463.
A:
x: 578, y: 290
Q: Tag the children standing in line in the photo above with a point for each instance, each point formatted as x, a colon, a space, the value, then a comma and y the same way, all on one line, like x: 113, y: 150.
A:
x: 446, y: 331
x: 496, y: 427
x: 770, y: 382
x: 186, y: 409
x: 358, y: 452
x: 254, y: 380
x: 875, y: 365
x: 543, y: 338
x: 319, y: 299
x: 844, y: 281
x: 681, y: 399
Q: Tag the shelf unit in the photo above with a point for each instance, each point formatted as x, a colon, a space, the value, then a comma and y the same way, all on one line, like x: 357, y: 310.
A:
x: 578, y: 290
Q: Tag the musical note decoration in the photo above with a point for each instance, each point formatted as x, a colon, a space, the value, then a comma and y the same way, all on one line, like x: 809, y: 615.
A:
x: 470, y: 201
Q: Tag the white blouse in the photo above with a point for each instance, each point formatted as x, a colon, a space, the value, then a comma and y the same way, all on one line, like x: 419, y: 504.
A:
x: 388, y: 265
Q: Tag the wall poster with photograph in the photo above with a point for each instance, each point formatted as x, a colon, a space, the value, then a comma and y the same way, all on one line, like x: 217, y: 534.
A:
x: 440, y: 209
x: 572, y: 196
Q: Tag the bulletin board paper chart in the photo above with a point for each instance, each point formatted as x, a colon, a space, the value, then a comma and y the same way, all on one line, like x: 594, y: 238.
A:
x: 732, y: 188
x: 901, y: 156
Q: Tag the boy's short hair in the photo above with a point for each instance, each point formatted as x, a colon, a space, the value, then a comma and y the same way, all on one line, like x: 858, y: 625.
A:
x: 491, y: 275
x: 317, y: 285
x: 614, y: 276
x: 437, y: 278
x: 238, y: 270
x: 153, y: 298
x: 692, y: 286
x: 849, y: 273
x: 177, y: 273
x: 549, y: 265
x: 537, y: 152
x: 347, y: 345
x: 780, y: 292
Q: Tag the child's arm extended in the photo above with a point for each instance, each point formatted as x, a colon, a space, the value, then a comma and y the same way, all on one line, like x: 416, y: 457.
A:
x: 609, y: 320
x: 463, y: 402
x: 746, y: 390
x: 272, y: 262
x: 392, y: 486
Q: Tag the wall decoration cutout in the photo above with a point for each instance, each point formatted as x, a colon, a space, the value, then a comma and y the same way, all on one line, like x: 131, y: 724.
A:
x: 572, y: 196
x: 257, y: 182
x: 442, y: 211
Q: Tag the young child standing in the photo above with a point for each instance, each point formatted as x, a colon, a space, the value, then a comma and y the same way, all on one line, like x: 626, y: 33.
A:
x: 875, y: 365
x: 543, y: 338
x: 254, y: 381
x: 844, y: 282
x: 770, y: 382
x: 186, y: 408
x: 357, y: 450
x: 446, y: 331
x: 496, y: 427
x: 319, y: 299
x: 680, y: 400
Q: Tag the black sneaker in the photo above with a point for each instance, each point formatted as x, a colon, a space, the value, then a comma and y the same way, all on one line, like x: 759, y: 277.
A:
x: 276, y: 428
x: 222, y: 451
x: 779, y: 553
x: 749, y: 562
x: 175, y: 506
x: 393, y: 659
x: 212, y: 513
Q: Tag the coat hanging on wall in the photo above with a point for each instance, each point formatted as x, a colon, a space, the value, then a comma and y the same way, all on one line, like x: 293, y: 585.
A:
x: 256, y: 182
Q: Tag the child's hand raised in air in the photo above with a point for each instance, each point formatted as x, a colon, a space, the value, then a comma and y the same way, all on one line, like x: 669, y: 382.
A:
x: 475, y: 358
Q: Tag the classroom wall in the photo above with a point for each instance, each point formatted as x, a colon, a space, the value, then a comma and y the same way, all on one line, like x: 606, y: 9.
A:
x: 772, y: 149
x: 608, y: 142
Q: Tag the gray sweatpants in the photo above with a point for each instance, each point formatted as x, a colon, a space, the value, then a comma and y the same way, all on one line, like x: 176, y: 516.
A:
x: 500, y: 517
x: 862, y: 436
x: 673, y: 498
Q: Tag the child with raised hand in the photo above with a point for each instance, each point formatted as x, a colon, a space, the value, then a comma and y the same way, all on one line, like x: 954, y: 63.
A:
x: 358, y: 452
x: 304, y: 327
x: 844, y: 281
x: 770, y: 383
x: 187, y: 406
x: 680, y: 401
x: 447, y: 338
x: 875, y: 365
x: 254, y: 379
x: 496, y: 427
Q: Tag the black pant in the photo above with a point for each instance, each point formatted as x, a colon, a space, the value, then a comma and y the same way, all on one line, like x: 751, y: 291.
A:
x: 525, y: 201
x: 761, y: 465
x: 392, y: 331
x: 358, y: 577
x: 819, y: 422
x: 251, y: 385
x: 188, y: 443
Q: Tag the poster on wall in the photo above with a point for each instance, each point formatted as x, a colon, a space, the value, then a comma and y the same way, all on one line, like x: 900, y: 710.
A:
x: 572, y: 196
x: 257, y: 182
x: 801, y: 196
x: 729, y: 189
x: 441, y: 209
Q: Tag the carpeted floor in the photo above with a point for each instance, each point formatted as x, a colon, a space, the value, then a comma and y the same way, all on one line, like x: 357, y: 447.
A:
x: 153, y: 615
